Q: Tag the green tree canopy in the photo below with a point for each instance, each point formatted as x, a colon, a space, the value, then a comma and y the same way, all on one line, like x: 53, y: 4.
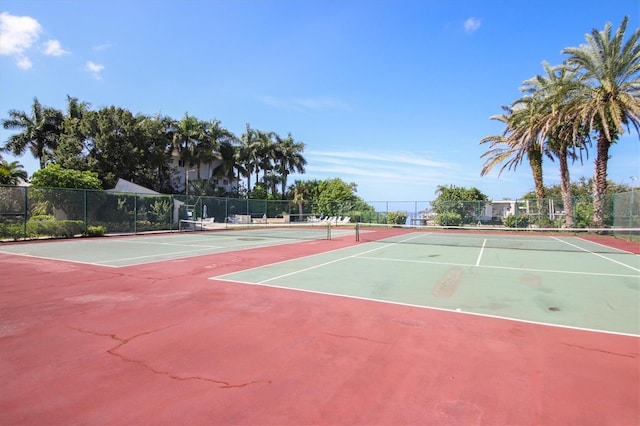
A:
x: 333, y: 197
x: 11, y: 173
x: 465, y: 202
x: 54, y: 176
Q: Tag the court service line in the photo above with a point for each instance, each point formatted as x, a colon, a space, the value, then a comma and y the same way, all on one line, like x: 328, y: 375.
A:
x: 511, y: 268
x: 221, y: 277
x: 336, y: 260
x: 597, y: 254
x: 299, y: 271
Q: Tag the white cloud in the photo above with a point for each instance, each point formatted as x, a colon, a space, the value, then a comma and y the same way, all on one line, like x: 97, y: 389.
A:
x: 95, y: 69
x: 100, y: 47
x: 373, y: 170
x: 24, y: 63
x: 53, y: 48
x: 317, y: 103
x: 471, y: 25
x: 18, y: 34
x: 321, y: 103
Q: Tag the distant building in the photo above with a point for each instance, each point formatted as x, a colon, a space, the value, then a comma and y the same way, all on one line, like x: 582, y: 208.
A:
x: 204, y: 172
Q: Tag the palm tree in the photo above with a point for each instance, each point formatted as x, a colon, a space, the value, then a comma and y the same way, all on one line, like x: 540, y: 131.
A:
x: 248, y: 153
x: 39, y: 131
x: 289, y: 158
x: 610, y: 71
x: 207, y: 148
x: 189, y: 132
x: 519, y: 140
x: 302, y: 193
x: 11, y: 173
x: 227, y: 161
x: 266, y: 153
x: 558, y: 133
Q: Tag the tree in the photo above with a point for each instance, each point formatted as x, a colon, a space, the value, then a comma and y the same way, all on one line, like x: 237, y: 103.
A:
x: 12, y: 173
x: 289, y: 158
x: 609, y: 69
x: 55, y: 176
x: 451, y: 200
x: 71, y: 150
x: 157, y: 134
x: 266, y: 153
x: 519, y: 140
x: 248, y: 154
x: 39, y: 131
x: 189, y: 134
x: 556, y: 130
x: 53, y: 188
x: 301, y: 192
x: 116, y: 144
x: 218, y: 139
x: 227, y: 159
x: 333, y: 197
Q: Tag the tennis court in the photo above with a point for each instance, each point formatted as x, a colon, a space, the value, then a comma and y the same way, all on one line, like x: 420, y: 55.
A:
x: 399, y: 327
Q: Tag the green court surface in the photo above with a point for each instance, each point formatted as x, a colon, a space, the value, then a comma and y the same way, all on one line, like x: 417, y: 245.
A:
x: 564, y: 281
x: 135, y: 250
x: 581, y: 288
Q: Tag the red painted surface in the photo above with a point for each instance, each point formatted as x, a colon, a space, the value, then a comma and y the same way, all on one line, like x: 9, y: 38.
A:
x: 162, y: 344
x: 619, y: 243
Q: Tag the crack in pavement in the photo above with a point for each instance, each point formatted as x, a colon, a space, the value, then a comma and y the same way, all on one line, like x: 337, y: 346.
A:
x: 123, y: 341
x: 631, y: 355
x: 355, y: 337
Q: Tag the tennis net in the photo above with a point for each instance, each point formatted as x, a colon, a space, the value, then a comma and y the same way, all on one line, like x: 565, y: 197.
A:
x: 292, y: 231
x: 538, y: 239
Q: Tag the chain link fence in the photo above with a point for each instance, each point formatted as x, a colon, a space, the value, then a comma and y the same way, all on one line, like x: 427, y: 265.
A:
x: 29, y: 213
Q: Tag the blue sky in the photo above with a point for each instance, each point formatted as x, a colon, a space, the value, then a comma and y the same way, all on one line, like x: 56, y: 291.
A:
x: 392, y: 95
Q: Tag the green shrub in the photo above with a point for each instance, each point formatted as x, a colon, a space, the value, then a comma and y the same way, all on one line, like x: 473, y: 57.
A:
x: 41, y: 217
x: 448, y: 219
x: 516, y: 221
x: 68, y: 228
x: 95, y: 231
x: 396, y: 218
x: 14, y: 231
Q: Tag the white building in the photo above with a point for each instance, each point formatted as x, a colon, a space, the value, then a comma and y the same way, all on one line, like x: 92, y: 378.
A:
x: 181, y: 174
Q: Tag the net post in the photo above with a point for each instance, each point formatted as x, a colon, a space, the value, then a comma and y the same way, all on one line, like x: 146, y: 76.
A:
x: 328, y: 230
x: 357, y: 231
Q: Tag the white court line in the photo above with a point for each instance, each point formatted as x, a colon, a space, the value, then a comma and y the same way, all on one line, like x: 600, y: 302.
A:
x: 605, y: 246
x: 484, y: 243
x: 166, y: 244
x: 426, y: 262
x: 205, y: 248
x: 338, y: 260
x: 221, y: 277
x: 597, y: 254
x: 57, y: 259
x: 125, y: 259
x: 431, y: 308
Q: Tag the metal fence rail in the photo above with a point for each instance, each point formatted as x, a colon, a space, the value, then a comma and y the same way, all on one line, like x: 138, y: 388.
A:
x: 28, y: 212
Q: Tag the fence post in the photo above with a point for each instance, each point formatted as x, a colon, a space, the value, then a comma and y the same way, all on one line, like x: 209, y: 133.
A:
x: 24, y: 220
x: 135, y: 213
x: 86, y: 226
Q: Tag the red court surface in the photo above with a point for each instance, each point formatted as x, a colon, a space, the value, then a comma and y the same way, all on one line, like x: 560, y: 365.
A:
x: 162, y: 344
